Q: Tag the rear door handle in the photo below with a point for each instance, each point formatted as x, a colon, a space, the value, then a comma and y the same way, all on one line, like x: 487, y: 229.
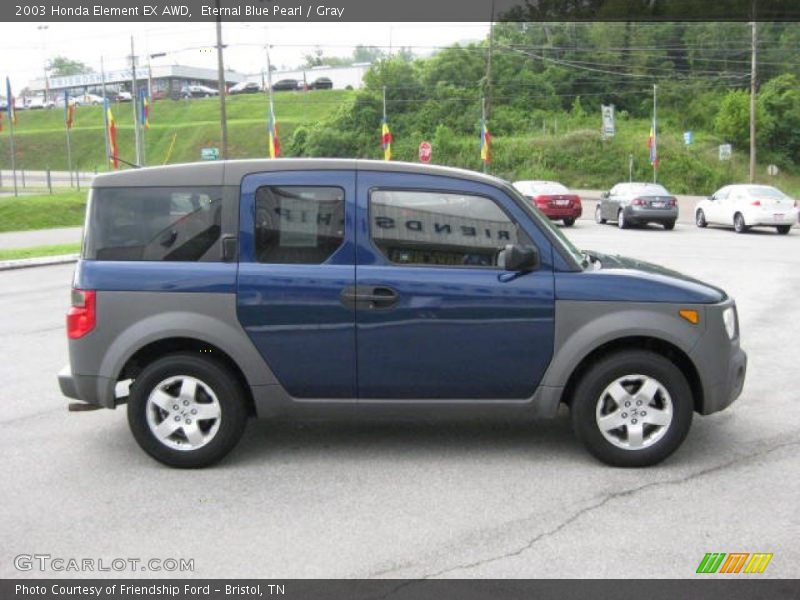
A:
x: 369, y: 296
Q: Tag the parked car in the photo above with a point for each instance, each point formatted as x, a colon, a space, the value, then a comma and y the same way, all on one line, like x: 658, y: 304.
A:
x: 198, y: 91
x: 245, y: 87
x: 748, y: 205
x: 286, y: 84
x: 3, y: 103
x: 553, y: 199
x: 88, y: 100
x: 631, y: 204
x: 322, y: 83
x: 124, y: 97
x: 39, y: 102
x: 204, y: 295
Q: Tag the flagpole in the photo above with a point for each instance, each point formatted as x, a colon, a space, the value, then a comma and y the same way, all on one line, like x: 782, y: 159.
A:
x: 655, y: 135
x: 12, y: 113
x: 66, y: 130
x: 483, y: 129
x: 105, y: 111
x: 384, y: 104
x: 271, y: 116
x: 135, y: 106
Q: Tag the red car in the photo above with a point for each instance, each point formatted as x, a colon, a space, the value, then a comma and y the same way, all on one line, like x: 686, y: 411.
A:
x: 553, y: 199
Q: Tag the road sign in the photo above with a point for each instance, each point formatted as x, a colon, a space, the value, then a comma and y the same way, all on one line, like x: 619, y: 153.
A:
x: 608, y: 120
x: 725, y: 151
x: 688, y: 137
x: 425, y: 152
x: 209, y: 153
x: 773, y: 170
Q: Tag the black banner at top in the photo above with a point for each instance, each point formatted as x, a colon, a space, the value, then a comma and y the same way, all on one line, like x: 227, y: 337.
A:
x: 294, y: 11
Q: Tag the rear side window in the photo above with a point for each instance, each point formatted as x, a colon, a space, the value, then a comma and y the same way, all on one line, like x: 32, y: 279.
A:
x: 435, y: 228
x: 298, y: 224
x: 154, y: 224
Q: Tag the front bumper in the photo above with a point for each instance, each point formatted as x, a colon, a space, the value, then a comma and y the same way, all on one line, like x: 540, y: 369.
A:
x: 720, y: 361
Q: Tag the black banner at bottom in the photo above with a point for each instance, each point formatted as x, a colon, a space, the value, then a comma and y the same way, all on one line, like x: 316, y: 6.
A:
x: 729, y: 588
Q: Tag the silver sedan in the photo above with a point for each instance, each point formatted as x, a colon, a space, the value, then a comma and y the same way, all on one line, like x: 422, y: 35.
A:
x: 636, y: 204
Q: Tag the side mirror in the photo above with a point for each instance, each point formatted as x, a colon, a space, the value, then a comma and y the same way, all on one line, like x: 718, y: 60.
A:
x: 604, y: 195
x: 712, y: 198
x: 518, y: 258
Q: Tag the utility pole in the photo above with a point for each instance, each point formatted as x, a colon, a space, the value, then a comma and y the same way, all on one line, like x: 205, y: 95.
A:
x: 753, y: 104
x: 655, y: 135
x: 105, y: 117
x: 223, y: 117
x: 134, y: 106
x: 488, y: 90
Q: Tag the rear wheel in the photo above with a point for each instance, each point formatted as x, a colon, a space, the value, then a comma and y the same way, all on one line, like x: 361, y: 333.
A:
x: 700, y: 219
x: 669, y: 225
x: 186, y: 411
x: 622, y: 222
x: 738, y: 223
x: 632, y: 409
x: 598, y: 216
x: 569, y: 221
x: 783, y: 229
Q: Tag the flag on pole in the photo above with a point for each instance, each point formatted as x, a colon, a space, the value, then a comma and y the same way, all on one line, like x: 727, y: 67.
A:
x: 386, y: 140
x: 112, y: 136
x: 652, y: 144
x: 69, y: 111
x: 144, y: 103
x: 1, y: 121
x: 486, y: 140
x: 274, y: 141
x: 10, y: 108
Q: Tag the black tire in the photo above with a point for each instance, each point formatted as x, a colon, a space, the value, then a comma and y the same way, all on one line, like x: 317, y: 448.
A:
x: 214, y: 375
x: 669, y: 225
x: 739, y: 226
x: 622, y: 222
x: 700, y: 219
x: 590, y: 392
x: 783, y: 229
x: 598, y: 216
x: 569, y: 221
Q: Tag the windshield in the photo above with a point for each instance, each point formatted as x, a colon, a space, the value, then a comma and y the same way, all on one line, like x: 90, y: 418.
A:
x: 546, y: 225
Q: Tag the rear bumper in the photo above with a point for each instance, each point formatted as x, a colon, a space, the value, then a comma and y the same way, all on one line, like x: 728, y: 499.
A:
x: 651, y: 215
x: 562, y: 213
x: 84, y: 387
x: 770, y: 218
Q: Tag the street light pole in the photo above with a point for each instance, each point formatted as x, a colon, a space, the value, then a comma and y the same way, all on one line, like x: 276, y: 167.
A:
x: 223, y: 117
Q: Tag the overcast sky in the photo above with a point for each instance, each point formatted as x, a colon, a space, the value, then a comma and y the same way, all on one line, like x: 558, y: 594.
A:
x: 24, y: 47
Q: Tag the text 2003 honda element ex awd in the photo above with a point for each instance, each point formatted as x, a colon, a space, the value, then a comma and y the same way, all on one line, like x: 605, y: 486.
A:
x: 209, y: 293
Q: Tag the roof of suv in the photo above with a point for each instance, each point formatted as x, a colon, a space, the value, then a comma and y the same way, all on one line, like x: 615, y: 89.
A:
x: 230, y: 172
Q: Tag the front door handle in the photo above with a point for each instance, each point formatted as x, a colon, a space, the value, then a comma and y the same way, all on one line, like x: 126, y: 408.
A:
x: 369, y: 296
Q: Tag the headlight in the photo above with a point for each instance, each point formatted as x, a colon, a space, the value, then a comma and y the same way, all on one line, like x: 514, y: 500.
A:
x: 729, y: 318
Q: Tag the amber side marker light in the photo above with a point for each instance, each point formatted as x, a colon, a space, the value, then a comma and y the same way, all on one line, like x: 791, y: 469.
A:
x: 690, y: 315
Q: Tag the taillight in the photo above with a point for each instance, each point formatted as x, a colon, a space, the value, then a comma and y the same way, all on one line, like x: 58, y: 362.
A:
x: 672, y: 202
x: 637, y: 202
x: 82, y: 315
x: 756, y: 203
x: 541, y: 200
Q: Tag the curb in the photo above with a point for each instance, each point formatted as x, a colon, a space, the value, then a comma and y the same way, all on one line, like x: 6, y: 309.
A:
x: 39, y: 261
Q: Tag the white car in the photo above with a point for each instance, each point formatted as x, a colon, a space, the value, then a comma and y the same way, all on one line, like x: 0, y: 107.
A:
x: 747, y: 205
x: 38, y: 102
x: 88, y: 99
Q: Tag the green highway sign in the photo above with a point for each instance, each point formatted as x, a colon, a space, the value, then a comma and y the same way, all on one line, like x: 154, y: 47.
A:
x: 209, y: 153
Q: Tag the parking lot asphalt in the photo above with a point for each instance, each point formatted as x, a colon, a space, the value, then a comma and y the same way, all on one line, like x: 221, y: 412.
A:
x: 416, y: 500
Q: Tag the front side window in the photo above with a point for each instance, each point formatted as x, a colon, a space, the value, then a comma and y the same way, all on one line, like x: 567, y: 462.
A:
x: 154, y: 224
x: 439, y: 228
x: 298, y: 224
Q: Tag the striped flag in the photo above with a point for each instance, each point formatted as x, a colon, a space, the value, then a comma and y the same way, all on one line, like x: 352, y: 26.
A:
x: 652, y: 144
x: 144, y: 103
x: 274, y: 141
x: 486, y: 140
x: 10, y: 108
x: 112, y: 137
x: 386, y: 140
x: 69, y: 111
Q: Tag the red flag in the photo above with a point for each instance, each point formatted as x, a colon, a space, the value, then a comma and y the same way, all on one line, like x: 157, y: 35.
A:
x: 1, y: 121
x: 112, y: 139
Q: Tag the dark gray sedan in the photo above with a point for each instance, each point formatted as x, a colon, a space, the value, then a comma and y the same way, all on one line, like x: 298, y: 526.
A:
x: 633, y: 203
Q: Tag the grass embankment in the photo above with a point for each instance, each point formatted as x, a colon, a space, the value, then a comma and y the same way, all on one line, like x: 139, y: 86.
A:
x: 39, y: 251
x: 26, y: 213
x: 194, y: 124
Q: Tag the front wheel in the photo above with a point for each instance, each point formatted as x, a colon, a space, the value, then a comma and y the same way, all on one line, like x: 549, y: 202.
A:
x: 569, y: 221
x: 186, y: 411
x: 700, y: 219
x: 783, y: 229
x: 598, y: 216
x: 739, y: 225
x: 632, y: 409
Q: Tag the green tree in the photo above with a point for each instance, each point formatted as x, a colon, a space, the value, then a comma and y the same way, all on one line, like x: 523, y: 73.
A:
x: 733, y: 120
x: 61, y: 66
x: 780, y: 100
